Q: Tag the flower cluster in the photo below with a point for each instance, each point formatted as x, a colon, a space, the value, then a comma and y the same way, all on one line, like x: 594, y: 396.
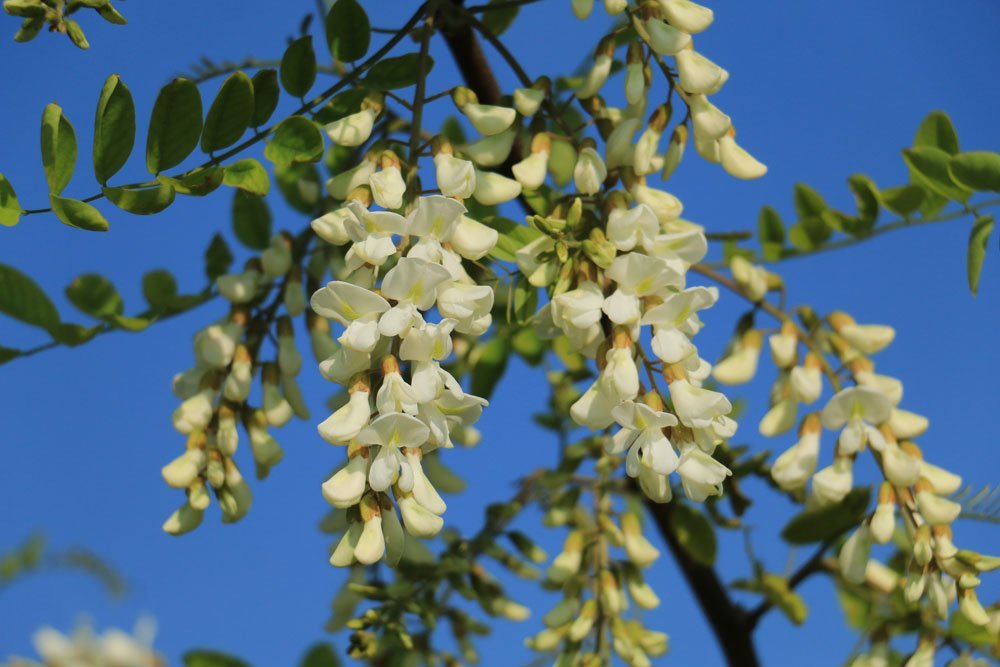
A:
x: 867, y: 416
x: 216, y: 392
x: 666, y: 27
x: 84, y: 648
x: 401, y: 402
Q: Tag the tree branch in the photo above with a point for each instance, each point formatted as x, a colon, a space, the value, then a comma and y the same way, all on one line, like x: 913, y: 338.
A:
x: 732, y: 626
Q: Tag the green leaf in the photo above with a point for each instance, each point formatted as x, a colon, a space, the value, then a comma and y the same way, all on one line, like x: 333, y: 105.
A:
x: 265, y: 96
x: 129, y: 323
x: 512, y: 237
x: 976, y: 170
x: 73, y: 334
x: 936, y: 131
x: 94, y: 295
x: 141, y: 201
x: 694, y: 532
x: 58, y: 148
x: 22, y: 299
x: 857, y: 610
x: 208, y: 658
x: 320, y: 655
x: 346, y: 600
x: 10, y: 208
x: 498, y: 20
x: 110, y: 14
x: 298, y: 67
x: 929, y: 168
x: 8, y: 354
x: 398, y: 72
x: 829, y: 521
x: 230, y: 113
x: 981, y: 230
x: 527, y: 343
x: 251, y: 220
x: 441, y: 476
x: 29, y: 29
x: 808, y: 202
x: 197, y: 183
x: 791, y: 604
x: 218, y: 257
x: 174, y: 126
x: 904, y: 199
x: 300, y: 185
x: 159, y: 287
x: 490, y: 362
x: 79, y: 214
x: 114, y: 129
x: 866, y: 198
x: 962, y: 629
x: 248, y: 174
x: 771, y: 232
x: 296, y: 139
x: 348, y: 31
x: 76, y: 34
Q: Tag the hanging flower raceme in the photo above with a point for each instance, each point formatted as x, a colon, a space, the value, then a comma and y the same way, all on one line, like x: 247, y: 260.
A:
x: 401, y: 403
x: 86, y: 648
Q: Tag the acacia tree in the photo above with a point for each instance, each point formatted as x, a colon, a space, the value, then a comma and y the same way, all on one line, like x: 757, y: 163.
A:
x: 426, y: 257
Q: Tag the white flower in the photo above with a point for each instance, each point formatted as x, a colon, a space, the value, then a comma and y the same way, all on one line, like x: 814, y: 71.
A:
x: 346, y: 486
x: 620, y: 377
x: 595, y: 78
x: 468, y: 305
x: 797, y: 464
x: 492, y: 151
x: 489, y: 119
x: 473, y: 240
x: 753, y: 279
x: 645, y: 151
x: 666, y: 206
x: 708, y: 121
x: 331, y: 226
x: 435, y: 217
x: 780, y: 418
x: 680, y: 310
x: 906, y: 424
x: 737, y: 161
x: 641, y: 436
x: 697, y: 407
x: 855, y: 409
x: 867, y: 338
x: 388, y: 187
x: 184, y: 470
x: 890, y: 387
x: 832, y: 483
x: 883, y: 522
x: 664, y: 38
x: 196, y: 412
x: 900, y: 468
x: 392, y: 432
x: 419, y: 520
x: 578, y: 313
x: 455, y: 177
x: 238, y: 287
x: 413, y: 284
x: 493, y: 188
x: 344, y: 424
x: 636, y: 275
x: 530, y: 172
x: 741, y: 365
x: 372, y: 232
x: 215, y: 345
x: 806, y: 383
x: 353, y: 130
x: 935, y: 509
x: 341, y: 185
x: 628, y: 228
x: 344, y: 302
x: 593, y: 409
x: 701, y: 475
x: 686, y: 15
x: 697, y: 73
x: 943, y: 481
x: 344, y: 363
x: 589, y: 172
x: 528, y: 100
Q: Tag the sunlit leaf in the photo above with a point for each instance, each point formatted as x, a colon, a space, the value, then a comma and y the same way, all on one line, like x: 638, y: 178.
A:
x: 230, y: 113
x: 248, y: 174
x: 174, y: 126
x: 296, y: 139
x: 114, y: 129
x: 58, y: 148
x: 79, y: 214
x: 10, y: 208
x: 978, y: 238
x: 141, y: 201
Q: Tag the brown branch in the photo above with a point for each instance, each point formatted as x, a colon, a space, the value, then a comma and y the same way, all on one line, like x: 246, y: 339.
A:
x: 732, y: 626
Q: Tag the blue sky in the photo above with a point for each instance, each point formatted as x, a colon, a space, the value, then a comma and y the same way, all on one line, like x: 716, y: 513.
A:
x: 818, y: 91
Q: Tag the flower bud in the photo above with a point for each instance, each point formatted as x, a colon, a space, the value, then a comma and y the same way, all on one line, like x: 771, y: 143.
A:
x: 277, y: 259
x: 675, y: 151
x: 239, y: 492
x: 568, y: 562
x: 275, y: 408
x: 530, y: 172
x: 493, y: 188
x: 419, y: 521
x: 753, y: 279
x: 185, y: 519
x: 664, y: 38
x: 598, y: 74
x: 589, y: 172
x: 584, y: 623
x: 971, y: 608
x: 492, y: 151
x: 698, y: 74
x: 686, y: 15
x: 489, y: 119
x: 934, y: 508
x: 741, y: 365
x: 388, y: 186
x: 737, y: 161
x: 240, y: 379
x: 639, y: 550
x: 473, y: 240
x: 345, y: 182
x: 352, y: 130
x: 853, y: 557
x: 528, y: 100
